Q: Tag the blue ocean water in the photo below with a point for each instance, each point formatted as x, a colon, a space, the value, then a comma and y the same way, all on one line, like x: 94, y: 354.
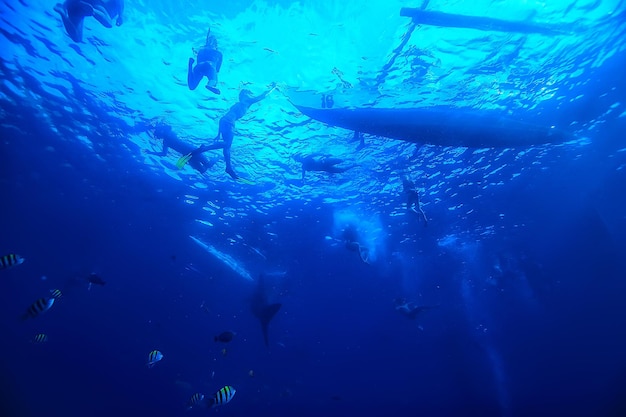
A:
x: 521, y: 265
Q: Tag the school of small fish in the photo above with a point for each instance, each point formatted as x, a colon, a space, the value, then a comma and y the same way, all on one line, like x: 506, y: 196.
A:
x: 42, y: 305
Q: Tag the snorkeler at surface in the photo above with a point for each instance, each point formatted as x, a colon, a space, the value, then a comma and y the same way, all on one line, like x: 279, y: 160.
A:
x: 321, y: 162
x: 226, y: 127
x: 413, y: 198
x: 73, y: 13
x: 171, y: 140
x: 209, y: 64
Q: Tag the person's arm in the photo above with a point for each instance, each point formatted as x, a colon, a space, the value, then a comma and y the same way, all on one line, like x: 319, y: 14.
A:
x: 263, y: 95
x: 259, y: 97
x: 120, y: 19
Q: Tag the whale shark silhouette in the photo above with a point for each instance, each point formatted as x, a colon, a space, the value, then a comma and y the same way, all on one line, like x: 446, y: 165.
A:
x: 262, y: 309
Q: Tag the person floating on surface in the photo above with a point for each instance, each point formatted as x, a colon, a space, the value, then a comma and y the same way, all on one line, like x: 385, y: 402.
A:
x: 225, y: 135
x: 73, y: 13
x: 208, y: 65
x: 413, y: 199
x: 321, y: 162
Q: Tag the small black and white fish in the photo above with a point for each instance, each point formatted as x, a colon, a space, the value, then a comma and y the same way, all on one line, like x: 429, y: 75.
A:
x: 225, y: 337
x: 40, y: 338
x: 223, y: 396
x: 40, y: 306
x: 196, y: 399
x: 153, y: 358
x: 7, y: 261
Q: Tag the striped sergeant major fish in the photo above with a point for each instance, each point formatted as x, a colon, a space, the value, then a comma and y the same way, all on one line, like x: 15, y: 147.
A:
x: 223, y: 396
x: 40, y: 338
x: 10, y: 260
x: 40, y: 306
x: 153, y: 358
x: 56, y: 294
x: 195, y: 400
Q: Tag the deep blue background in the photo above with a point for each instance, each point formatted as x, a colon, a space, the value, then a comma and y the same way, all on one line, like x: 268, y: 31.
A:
x: 343, y: 349
x: 529, y: 289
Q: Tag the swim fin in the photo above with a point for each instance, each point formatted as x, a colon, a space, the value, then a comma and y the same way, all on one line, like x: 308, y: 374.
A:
x: 245, y: 181
x: 182, y: 161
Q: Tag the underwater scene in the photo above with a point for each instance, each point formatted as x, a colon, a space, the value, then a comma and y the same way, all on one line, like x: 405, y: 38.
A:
x: 313, y: 208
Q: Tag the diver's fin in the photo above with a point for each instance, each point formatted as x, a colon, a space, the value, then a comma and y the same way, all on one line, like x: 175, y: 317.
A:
x: 245, y: 181
x: 182, y: 161
x: 266, y: 316
x: 364, y: 253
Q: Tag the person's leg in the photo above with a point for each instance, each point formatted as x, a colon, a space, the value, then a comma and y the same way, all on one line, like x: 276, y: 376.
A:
x: 197, y: 165
x: 421, y: 210
x: 361, y: 141
x: 203, y: 163
x: 213, y: 146
x: 227, y: 135
x: 193, y: 79
x: 413, y: 204
x: 229, y: 168
x: 72, y: 14
x: 364, y: 253
x: 211, y: 75
x: 217, y: 143
x: 79, y: 29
